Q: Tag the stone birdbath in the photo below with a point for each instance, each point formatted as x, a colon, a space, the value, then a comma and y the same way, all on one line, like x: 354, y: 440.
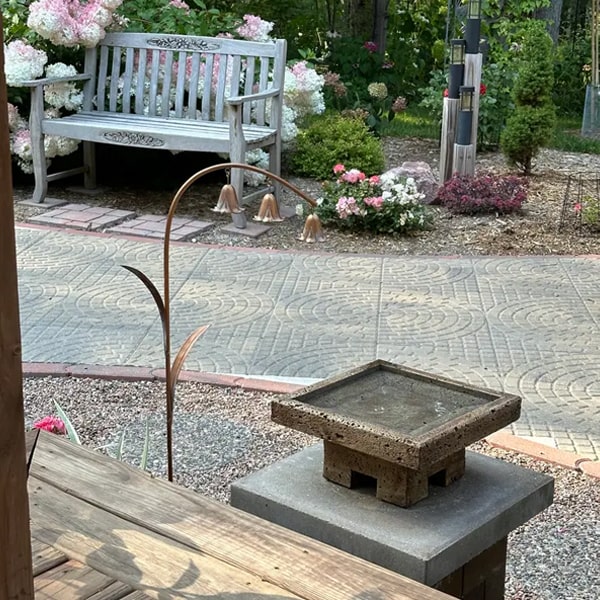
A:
x: 403, y: 428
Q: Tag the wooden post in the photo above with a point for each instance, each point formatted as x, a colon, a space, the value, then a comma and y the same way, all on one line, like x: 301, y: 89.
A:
x: 464, y: 159
x: 16, y: 580
x: 449, y: 119
x: 472, y: 78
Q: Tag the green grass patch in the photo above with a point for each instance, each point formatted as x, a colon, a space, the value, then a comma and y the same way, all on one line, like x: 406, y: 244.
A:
x: 417, y: 122
x: 567, y: 136
x: 414, y: 122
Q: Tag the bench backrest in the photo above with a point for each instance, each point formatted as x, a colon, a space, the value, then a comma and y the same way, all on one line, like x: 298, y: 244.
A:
x: 183, y: 76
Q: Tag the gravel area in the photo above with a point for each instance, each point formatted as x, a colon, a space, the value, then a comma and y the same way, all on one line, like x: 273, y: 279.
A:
x: 534, y: 231
x: 221, y: 434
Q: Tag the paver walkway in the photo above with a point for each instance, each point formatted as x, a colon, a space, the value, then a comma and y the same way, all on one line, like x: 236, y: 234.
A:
x: 528, y: 325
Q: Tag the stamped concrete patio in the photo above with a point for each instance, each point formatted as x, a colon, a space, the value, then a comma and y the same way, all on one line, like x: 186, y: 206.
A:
x: 526, y: 325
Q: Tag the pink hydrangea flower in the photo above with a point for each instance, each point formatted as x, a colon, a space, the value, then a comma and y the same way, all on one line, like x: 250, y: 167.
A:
x: 375, y: 201
x: 347, y: 206
x: 180, y: 4
x: 51, y: 424
x: 255, y: 28
x: 339, y: 168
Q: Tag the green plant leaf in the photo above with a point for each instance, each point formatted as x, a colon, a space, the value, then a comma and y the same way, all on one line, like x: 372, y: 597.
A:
x: 144, y: 459
x: 71, y: 433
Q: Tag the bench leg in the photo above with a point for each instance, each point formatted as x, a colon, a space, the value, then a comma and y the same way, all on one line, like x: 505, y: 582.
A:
x: 238, y: 155
x: 38, y: 153
x: 89, y: 163
x: 275, y: 168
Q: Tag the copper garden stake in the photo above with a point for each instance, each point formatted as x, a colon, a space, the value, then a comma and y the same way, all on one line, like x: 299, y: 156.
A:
x: 172, y: 370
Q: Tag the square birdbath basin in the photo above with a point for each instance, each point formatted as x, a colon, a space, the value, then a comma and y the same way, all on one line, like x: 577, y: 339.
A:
x: 402, y: 427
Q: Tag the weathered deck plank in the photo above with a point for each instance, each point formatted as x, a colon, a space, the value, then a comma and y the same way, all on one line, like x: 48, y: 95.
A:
x: 155, y: 535
x: 71, y: 581
x: 45, y: 557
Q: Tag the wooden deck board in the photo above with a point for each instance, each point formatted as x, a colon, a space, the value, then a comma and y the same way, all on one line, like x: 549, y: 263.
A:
x: 45, y: 557
x: 173, y: 543
x: 71, y: 581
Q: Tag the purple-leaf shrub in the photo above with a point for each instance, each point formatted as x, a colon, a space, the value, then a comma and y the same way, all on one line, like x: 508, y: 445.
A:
x: 484, y: 193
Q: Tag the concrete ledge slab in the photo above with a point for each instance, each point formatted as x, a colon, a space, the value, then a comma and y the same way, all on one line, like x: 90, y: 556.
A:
x: 251, y: 229
x: 425, y: 542
x: 47, y: 203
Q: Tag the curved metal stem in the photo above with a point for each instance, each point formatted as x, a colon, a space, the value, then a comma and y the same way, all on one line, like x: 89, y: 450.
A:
x: 167, y: 323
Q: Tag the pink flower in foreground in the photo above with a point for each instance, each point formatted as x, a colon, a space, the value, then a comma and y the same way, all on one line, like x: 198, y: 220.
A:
x: 370, y: 46
x: 376, y: 202
x: 51, y: 424
x: 339, y: 168
x: 375, y: 180
x: 577, y: 208
x: 353, y: 176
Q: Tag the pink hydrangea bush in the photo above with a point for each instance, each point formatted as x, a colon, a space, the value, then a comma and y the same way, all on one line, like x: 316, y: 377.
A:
x: 379, y: 204
x: 72, y: 22
x: 256, y: 29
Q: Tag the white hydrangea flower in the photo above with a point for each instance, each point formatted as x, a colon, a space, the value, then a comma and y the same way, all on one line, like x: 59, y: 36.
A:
x: 64, y: 94
x: 22, y: 62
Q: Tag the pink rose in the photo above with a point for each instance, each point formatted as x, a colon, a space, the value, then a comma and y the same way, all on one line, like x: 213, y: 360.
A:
x: 339, y: 168
x: 374, y: 180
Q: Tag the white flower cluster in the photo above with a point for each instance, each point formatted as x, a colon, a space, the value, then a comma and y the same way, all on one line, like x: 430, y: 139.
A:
x: 400, y: 192
x: 303, y: 90
x: 64, y: 94
x: 22, y: 62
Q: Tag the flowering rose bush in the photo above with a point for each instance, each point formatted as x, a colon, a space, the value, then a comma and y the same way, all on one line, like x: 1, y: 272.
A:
x: 379, y: 204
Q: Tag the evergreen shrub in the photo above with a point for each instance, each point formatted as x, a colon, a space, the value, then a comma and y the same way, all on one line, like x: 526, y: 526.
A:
x: 332, y: 139
x: 532, y: 123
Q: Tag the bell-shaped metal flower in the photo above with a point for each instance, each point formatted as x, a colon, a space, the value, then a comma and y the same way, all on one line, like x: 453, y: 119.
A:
x: 228, y: 201
x: 312, y: 232
x: 269, y: 210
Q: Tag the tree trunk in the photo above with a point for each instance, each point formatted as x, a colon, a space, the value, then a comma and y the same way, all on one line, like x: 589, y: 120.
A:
x: 380, y: 19
x: 551, y: 14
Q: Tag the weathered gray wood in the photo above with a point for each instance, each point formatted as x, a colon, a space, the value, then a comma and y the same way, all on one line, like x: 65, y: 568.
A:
x: 133, y: 554
x: 448, y: 138
x: 304, y: 567
x: 217, y: 68
x: 16, y: 581
x: 45, y: 557
x: 472, y: 78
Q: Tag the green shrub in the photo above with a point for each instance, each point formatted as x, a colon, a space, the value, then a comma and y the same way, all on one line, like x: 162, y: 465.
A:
x: 532, y: 123
x: 333, y: 139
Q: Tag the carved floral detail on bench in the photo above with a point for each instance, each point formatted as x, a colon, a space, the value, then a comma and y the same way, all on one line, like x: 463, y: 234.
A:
x: 177, y: 43
x: 137, y: 139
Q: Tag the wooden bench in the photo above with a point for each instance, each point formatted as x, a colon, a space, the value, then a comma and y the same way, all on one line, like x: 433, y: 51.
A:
x: 171, y: 92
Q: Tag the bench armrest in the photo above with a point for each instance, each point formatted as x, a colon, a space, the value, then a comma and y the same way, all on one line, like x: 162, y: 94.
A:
x: 50, y: 80
x: 237, y: 100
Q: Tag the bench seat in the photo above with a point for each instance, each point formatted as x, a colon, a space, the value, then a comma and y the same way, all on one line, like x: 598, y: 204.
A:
x: 153, y: 132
